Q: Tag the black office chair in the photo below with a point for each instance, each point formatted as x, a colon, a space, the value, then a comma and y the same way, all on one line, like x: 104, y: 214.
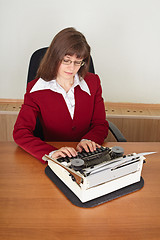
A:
x: 33, y: 66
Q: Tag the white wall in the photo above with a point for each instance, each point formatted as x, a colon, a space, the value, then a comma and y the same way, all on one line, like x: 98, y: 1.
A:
x: 124, y: 36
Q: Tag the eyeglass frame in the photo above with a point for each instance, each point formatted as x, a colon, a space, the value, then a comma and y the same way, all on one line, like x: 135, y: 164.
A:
x: 68, y: 62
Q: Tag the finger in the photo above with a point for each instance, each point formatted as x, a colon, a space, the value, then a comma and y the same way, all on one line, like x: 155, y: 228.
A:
x: 69, y: 151
x: 97, y: 145
x: 72, y: 151
x: 58, y: 154
x: 64, y: 151
x: 92, y: 146
x: 79, y: 148
x: 84, y: 146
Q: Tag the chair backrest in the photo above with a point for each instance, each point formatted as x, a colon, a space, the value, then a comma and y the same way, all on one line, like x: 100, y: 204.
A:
x: 36, y: 59
x: 32, y: 71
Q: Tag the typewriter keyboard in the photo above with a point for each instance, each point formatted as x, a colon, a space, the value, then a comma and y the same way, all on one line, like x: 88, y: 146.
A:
x: 89, y: 159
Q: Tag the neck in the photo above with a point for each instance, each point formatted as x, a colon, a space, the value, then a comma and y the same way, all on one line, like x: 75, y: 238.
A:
x: 66, y: 84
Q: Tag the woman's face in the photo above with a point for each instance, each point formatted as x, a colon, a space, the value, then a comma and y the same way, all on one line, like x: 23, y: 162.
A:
x: 69, y: 66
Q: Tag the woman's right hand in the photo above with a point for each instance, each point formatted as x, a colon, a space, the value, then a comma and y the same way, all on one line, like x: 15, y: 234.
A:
x: 63, y: 152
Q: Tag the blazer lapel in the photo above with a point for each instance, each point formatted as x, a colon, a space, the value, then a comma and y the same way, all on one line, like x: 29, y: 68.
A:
x: 83, y: 103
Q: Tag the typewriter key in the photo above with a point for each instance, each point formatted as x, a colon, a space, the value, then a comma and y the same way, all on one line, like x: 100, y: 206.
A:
x: 77, y: 163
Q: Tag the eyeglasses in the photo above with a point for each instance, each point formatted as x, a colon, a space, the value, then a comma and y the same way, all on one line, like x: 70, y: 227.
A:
x: 76, y: 63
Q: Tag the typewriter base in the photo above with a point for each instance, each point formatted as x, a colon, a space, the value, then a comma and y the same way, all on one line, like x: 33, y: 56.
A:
x: 97, y: 201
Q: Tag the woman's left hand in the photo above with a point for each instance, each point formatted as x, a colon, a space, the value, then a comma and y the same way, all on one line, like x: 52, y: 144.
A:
x: 87, y: 145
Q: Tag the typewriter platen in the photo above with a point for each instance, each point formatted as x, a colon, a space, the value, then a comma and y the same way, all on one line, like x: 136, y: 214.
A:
x: 94, y: 174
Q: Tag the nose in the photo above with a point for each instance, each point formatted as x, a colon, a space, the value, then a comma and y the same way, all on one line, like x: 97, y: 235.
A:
x: 71, y: 66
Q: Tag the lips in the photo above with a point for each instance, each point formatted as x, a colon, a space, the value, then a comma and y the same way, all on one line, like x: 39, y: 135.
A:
x: 68, y: 73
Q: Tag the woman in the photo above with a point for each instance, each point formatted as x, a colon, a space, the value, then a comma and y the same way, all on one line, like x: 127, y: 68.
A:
x: 66, y: 98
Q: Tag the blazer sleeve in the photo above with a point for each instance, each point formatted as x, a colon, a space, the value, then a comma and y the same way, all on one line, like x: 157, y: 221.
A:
x: 24, y: 127
x: 99, y: 125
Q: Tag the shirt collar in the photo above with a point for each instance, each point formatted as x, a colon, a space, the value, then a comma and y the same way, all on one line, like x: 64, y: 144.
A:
x: 53, y: 86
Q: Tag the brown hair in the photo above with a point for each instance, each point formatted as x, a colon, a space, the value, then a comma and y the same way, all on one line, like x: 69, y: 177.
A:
x: 67, y: 42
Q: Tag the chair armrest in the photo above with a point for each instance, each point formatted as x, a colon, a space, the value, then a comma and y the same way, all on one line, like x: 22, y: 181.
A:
x: 116, y: 132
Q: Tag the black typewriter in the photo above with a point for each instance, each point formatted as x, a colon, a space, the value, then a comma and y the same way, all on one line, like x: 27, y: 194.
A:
x: 90, y: 159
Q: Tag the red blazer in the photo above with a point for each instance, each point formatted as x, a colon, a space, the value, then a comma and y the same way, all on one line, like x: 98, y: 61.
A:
x: 89, y: 121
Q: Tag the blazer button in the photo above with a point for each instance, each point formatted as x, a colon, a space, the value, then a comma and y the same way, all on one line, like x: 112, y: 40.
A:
x: 74, y: 128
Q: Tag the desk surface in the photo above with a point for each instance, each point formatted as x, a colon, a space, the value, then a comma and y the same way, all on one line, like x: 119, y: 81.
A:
x: 32, y: 207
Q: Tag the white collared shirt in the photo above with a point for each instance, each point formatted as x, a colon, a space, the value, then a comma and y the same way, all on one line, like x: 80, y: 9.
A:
x: 68, y: 96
